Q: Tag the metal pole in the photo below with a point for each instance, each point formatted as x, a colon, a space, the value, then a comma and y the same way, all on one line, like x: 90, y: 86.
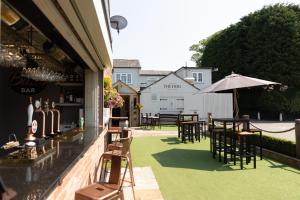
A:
x: 297, y: 137
x: 246, y: 122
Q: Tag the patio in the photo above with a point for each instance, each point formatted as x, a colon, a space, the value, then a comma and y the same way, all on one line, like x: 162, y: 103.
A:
x: 188, y: 171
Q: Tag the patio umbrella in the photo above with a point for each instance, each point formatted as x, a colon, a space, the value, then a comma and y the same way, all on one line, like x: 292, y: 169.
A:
x: 235, y: 81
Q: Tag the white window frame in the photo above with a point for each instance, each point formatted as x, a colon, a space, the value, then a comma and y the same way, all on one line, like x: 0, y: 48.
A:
x: 120, y: 74
x: 198, y: 76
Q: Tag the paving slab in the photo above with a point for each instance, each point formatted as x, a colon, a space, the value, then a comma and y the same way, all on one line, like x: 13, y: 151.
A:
x: 146, y: 187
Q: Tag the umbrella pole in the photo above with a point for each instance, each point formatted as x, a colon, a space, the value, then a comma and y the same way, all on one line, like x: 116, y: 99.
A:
x: 235, y: 104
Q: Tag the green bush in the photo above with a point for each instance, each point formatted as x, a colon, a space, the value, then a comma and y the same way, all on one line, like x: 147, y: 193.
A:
x: 278, y: 145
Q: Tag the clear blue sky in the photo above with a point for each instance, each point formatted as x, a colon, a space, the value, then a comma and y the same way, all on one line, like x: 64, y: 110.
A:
x: 160, y: 32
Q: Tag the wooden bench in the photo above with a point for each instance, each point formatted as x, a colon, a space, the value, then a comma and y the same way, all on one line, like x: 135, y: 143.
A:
x: 168, y: 119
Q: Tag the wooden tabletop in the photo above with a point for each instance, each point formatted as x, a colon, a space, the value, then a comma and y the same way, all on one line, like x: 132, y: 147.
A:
x: 119, y: 118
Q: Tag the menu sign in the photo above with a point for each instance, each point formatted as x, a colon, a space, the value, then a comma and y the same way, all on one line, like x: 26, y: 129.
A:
x: 172, y: 86
x: 24, y: 85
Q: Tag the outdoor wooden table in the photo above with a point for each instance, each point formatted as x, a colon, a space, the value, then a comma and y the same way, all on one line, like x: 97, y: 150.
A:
x: 225, y: 122
x: 154, y: 120
x: 189, y: 127
x: 181, y: 118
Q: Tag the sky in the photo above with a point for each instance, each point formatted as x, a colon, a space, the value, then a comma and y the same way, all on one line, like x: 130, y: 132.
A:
x: 160, y: 32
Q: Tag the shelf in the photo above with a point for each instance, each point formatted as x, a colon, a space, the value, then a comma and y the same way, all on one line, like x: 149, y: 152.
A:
x: 69, y: 104
x: 70, y: 84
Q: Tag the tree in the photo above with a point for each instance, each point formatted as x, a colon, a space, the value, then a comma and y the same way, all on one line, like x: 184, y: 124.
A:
x: 199, y: 49
x: 265, y: 44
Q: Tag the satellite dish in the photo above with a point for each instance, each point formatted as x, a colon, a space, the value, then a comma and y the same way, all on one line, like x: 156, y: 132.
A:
x: 118, y: 22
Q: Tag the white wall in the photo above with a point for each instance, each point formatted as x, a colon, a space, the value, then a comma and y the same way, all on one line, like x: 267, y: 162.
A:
x: 150, y: 97
x: 219, y: 104
x: 135, y: 76
x: 188, y: 72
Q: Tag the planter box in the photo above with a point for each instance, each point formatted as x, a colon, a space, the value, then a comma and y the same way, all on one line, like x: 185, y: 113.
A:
x: 288, y: 160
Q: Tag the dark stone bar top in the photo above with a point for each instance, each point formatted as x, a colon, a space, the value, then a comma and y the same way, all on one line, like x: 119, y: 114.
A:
x: 35, y: 173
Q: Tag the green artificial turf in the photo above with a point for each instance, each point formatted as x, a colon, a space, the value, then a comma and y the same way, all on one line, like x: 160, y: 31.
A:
x: 161, y: 128
x: 188, y: 171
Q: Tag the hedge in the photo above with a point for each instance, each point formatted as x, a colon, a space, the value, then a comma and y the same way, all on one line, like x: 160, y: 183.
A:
x: 278, y: 145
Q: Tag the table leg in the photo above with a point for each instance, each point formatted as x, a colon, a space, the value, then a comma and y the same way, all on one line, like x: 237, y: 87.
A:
x: 225, y: 143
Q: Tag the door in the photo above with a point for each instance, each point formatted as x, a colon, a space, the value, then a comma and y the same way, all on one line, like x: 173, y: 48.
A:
x: 172, y: 104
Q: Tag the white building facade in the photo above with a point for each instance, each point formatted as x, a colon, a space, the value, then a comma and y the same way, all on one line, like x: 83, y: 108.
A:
x: 172, y: 92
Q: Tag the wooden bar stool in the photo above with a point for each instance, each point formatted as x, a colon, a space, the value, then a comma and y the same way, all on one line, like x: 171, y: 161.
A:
x: 111, y: 189
x: 111, y: 131
x: 254, y: 130
x: 246, y: 148
x: 121, y: 148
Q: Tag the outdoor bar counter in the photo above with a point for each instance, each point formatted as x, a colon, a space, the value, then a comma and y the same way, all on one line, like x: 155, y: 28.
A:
x: 62, y: 165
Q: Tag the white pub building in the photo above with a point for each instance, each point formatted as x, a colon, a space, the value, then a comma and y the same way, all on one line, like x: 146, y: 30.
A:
x: 166, y: 91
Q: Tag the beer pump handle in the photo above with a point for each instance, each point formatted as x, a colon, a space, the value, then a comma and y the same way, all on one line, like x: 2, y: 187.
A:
x: 30, y: 112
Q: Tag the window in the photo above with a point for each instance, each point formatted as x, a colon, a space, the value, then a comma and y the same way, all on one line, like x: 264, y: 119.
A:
x: 124, y: 77
x: 129, y: 78
x: 198, y: 77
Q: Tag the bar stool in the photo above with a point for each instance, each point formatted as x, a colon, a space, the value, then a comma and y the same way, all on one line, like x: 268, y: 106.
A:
x: 122, y: 149
x: 111, y: 189
x: 188, y: 128
x: 222, y: 142
x: 245, y: 149
x: 254, y: 130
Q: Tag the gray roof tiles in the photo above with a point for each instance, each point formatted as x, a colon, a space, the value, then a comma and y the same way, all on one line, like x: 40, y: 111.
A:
x: 126, y: 63
x: 155, y: 72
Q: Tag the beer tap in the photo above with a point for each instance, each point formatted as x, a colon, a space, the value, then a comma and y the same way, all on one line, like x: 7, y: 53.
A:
x: 30, y: 136
x: 38, y: 109
x: 58, y: 116
x: 47, y: 110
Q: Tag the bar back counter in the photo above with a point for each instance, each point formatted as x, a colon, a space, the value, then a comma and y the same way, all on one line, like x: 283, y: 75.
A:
x: 58, y: 168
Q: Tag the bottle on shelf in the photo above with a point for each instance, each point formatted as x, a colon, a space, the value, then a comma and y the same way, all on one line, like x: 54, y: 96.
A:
x: 67, y: 96
x: 61, y: 98
x: 71, y: 98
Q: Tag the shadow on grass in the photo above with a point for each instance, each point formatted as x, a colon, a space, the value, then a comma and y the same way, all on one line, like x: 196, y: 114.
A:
x: 282, y: 166
x: 190, y: 159
x: 171, y: 140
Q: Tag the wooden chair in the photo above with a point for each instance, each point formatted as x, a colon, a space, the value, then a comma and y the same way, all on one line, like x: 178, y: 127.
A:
x: 122, y: 148
x: 112, y: 189
x: 113, y: 130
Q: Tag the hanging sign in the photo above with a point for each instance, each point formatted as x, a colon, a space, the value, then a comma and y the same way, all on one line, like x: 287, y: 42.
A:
x: 172, y: 86
x: 23, y: 85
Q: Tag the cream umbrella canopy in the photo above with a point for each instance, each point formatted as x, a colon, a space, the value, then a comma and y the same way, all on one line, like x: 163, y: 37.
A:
x: 235, y: 81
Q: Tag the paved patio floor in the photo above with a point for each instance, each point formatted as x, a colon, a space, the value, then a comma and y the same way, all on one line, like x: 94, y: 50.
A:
x: 146, y: 187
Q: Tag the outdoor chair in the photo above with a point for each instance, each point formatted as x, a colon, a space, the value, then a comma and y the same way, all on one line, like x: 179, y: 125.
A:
x: 113, y: 131
x: 254, y: 130
x: 106, y: 190
x: 245, y: 149
x: 121, y: 148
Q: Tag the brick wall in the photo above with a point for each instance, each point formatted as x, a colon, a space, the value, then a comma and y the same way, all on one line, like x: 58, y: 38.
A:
x: 83, y: 173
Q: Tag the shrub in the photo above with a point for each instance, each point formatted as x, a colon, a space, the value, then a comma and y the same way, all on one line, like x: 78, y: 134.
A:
x: 278, y: 145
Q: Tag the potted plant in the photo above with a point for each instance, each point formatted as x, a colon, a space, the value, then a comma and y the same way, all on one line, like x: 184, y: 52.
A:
x: 112, y: 99
x: 139, y: 106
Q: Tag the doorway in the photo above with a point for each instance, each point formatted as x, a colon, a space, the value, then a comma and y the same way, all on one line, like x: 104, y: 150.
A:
x: 122, y: 112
